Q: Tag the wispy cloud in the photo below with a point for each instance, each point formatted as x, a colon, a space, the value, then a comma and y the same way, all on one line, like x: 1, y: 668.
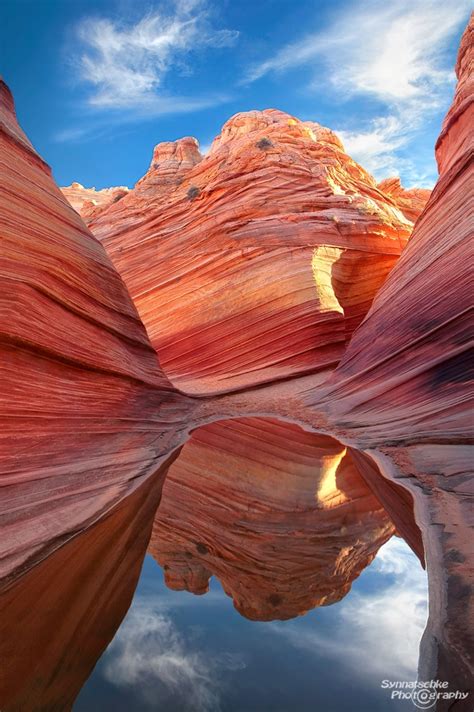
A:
x: 126, y: 68
x: 150, y: 655
x: 93, y: 127
x: 126, y: 65
x: 384, y: 626
x: 393, y: 53
x: 375, y: 146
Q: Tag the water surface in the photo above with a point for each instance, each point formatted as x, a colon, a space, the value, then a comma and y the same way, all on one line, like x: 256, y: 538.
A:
x: 179, y: 652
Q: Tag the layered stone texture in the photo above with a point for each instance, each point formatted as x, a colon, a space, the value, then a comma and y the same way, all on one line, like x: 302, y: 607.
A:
x: 170, y: 163
x: 89, y: 201
x: 257, y: 262
x: 410, y: 201
x: 281, y: 516
x: 86, y: 413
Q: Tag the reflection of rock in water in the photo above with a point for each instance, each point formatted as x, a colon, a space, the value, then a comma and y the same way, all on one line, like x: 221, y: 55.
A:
x: 281, y: 516
x: 59, y: 617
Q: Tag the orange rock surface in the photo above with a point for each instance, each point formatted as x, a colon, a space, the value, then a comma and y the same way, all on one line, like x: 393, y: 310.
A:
x: 257, y: 262
x: 89, y: 200
x: 410, y: 201
x: 281, y: 516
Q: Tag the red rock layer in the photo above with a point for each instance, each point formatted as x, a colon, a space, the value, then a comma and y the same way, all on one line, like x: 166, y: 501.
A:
x: 279, y: 515
x: 85, y: 411
x: 401, y: 390
x: 263, y: 258
x: 410, y: 201
x: 87, y: 201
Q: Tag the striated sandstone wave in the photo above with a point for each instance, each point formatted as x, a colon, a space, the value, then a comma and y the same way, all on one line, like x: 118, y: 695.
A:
x: 86, y: 413
x: 260, y: 260
x: 90, y: 421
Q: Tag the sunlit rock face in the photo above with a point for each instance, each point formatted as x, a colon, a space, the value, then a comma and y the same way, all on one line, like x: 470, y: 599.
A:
x: 410, y: 201
x: 86, y: 413
x: 257, y: 262
x: 88, y: 201
x: 400, y: 391
x: 280, y: 516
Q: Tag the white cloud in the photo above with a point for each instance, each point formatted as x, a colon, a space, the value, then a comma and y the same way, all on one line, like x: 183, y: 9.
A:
x: 126, y: 65
x: 76, y: 133
x: 391, y: 52
x: 150, y: 655
x: 159, y: 106
x: 375, y: 147
x: 377, y: 634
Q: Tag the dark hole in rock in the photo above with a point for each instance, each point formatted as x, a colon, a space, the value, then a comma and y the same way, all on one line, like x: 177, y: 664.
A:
x: 193, y: 192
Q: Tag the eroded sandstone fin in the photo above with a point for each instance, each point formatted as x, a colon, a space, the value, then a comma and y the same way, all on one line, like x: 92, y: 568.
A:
x: 86, y: 412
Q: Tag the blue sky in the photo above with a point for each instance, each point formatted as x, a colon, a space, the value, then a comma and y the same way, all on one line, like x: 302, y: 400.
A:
x: 98, y: 83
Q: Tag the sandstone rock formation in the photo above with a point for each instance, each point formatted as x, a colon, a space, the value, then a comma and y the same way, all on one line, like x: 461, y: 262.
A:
x: 171, y: 162
x: 86, y: 412
x: 88, y: 420
x: 86, y: 201
x: 257, y: 262
x: 281, y: 516
x: 277, y: 243
x: 410, y: 201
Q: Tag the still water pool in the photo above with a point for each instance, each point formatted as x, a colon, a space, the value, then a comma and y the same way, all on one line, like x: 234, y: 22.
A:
x: 177, y: 652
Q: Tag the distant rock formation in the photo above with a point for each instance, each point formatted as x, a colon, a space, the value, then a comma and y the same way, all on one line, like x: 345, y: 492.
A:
x: 170, y: 163
x: 411, y: 201
x: 88, y: 201
x: 281, y: 516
